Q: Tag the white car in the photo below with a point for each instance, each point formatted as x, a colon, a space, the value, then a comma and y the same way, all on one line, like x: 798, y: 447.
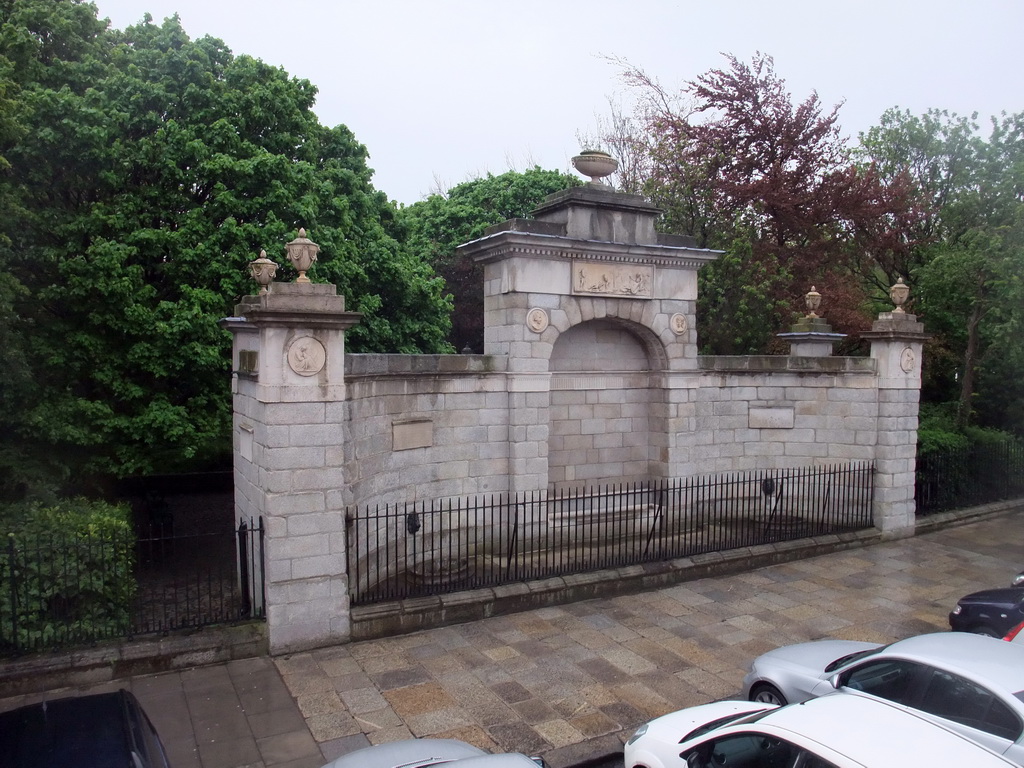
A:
x: 655, y: 744
x: 836, y: 731
x: 420, y: 753
x: 971, y: 683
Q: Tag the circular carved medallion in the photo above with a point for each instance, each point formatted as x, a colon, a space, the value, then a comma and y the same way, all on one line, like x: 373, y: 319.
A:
x: 907, y: 360
x: 538, y: 320
x: 678, y: 324
x: 307, y: 356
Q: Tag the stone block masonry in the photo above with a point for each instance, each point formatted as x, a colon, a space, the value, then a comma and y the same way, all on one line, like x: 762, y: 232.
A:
x: 590, y: 375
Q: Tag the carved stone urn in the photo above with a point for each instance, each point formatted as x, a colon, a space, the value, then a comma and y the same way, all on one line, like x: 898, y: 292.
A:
x: 263, y: 271
x: 595, y: 164
x: 302, y: 253
x: 813, y: 300
x: 899, y: 293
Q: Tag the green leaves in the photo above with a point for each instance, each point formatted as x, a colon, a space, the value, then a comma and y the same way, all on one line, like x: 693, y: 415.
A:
x: 146, y: 171
x: 967, y: 274
x: 439, y: 224
x: 68, y: 572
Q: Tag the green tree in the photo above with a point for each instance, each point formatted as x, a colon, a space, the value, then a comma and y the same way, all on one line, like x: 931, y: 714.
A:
x: 146, y: 170
x: 439, y: 224
x: 969, y: 265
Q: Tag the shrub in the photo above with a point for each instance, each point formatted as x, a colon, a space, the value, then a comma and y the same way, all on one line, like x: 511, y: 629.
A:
x: 65, y: 574
x: 937, y: 432
x: 989, y: 437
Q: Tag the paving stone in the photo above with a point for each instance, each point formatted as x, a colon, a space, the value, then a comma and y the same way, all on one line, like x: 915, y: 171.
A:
x: 320, y: 703
x: 362, y: 700
x: 286, y: 747
x: 378, y: 719
x: 332, y: 726
x: 419, y: 699
x: 436, y: 721
x: 533, y: 711
x: 559, y: 733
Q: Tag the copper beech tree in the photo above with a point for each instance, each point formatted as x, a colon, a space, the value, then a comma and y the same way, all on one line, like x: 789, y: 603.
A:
x: 736, y: 163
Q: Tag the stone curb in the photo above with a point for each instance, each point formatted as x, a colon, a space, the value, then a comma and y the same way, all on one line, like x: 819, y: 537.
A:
x: 404, y: 616
x: 140, y: 656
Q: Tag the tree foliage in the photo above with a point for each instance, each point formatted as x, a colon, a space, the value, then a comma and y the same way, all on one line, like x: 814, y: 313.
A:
x: 735, y: 160
x: 969, y: 266
x: 440, y: 223
x: 142, y: 170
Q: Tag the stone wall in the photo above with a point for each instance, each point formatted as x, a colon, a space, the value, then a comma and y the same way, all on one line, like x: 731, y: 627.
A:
x: 753, y: 413
x: 430, y: 427
x: 590, y: 376
x: 425, y: 427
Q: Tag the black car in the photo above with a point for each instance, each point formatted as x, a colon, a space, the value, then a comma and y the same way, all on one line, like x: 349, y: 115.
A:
x: 990, y: 612
x: 104, y: 730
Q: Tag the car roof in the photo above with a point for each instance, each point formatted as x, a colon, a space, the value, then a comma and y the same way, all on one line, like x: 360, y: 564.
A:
x: 61, y: 731
x: 876, y: 733
x: 415, y: 752
x: 978, y: 656
x: 1000, y: 595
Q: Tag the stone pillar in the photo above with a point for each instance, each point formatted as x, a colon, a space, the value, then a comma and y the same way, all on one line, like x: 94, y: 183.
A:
x: 896, y: 342
x: 289, y: 405
x: 811, y: 336
x: 589, y: 254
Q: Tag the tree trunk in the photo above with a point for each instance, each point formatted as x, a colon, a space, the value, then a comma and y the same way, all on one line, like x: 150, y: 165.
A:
x: 963, y: 411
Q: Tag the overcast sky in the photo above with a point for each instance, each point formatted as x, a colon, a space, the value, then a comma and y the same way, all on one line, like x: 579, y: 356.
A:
x: 441, y: 91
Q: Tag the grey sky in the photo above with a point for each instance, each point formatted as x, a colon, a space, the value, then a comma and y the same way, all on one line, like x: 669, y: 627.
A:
x: 447, y: 90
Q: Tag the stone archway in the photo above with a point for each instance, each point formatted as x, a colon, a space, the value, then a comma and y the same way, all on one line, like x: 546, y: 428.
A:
x: 604, y: 410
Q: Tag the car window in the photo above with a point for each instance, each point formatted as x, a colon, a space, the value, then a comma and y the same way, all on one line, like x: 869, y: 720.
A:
x: 148, y: 751
x: 813, y: 761
x: 958, y: 699
x: 890, y: 679
x: 842, y: 661
x: 751, y: 750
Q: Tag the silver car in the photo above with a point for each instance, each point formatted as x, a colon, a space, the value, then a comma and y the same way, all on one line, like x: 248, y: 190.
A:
x: 971, y: 683
x: 420, y: 753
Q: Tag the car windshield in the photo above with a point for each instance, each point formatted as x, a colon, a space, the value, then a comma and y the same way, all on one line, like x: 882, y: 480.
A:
x: 842, y: 661
x: 707, y: 727
x: 757, y: 715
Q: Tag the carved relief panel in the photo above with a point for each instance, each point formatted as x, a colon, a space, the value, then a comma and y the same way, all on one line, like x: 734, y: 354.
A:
x: 627, y: 280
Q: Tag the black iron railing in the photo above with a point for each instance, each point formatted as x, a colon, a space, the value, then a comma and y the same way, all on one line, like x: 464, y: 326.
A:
x: 969, y: 477
x: 63, y: 591
x: 426, y: 548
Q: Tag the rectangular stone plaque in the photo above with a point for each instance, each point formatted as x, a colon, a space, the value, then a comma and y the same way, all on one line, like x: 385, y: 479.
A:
x: 770, y: 418
x: 406, y: 435
x: 248, y: 361
x: 245, y: 441
x: 626, y: 280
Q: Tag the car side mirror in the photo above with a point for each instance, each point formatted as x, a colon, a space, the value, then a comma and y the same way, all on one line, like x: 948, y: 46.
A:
x: 834, y: 681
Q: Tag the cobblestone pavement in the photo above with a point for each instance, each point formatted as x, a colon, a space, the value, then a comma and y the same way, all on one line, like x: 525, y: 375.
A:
x: 571, y: 681
x: 568, y: 682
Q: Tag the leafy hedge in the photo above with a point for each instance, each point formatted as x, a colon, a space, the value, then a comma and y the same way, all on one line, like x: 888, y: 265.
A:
x: 963, y: 468
x: 65, y: 574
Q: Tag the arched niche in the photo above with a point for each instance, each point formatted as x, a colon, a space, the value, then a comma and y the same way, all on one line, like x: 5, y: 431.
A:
x: 605, y: 408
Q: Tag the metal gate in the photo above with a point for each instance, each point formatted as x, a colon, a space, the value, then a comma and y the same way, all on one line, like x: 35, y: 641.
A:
x: 59, y: 591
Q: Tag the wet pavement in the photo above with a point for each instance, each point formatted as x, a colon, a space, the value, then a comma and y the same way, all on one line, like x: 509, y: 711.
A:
x: 570, y: 682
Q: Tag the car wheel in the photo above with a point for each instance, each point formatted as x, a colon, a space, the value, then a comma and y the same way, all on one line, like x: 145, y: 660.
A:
x: 766, y: 693
x: 983, y: 630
